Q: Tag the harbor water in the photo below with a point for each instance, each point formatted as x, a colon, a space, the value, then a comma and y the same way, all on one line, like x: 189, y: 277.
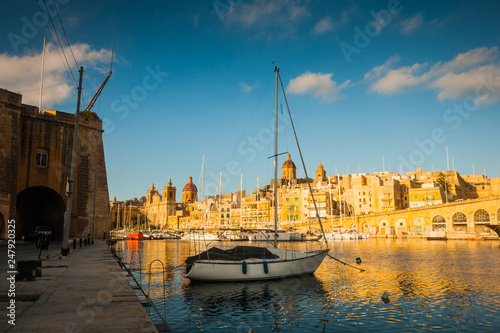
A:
x: 432, y: 285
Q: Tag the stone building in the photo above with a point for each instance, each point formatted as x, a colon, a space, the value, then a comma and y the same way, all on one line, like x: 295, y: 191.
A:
x: 35, y: 154
x: 189, y: 192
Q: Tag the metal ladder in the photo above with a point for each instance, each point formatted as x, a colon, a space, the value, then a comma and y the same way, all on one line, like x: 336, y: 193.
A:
x: 163, y: 327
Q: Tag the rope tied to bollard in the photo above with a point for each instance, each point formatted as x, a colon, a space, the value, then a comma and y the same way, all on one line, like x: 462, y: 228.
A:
x: 344, y: 263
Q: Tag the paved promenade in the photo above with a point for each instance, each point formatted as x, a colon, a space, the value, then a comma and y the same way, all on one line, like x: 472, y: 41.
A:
x: 85, y: 292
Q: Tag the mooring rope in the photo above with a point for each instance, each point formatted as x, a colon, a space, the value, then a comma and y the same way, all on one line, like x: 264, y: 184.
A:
x: 362, y: 270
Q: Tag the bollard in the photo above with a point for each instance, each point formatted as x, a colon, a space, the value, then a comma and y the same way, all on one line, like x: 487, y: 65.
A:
x: 74, y: 243
x: 85, y: 242
x: 80, y: 242
x: 104, y: 237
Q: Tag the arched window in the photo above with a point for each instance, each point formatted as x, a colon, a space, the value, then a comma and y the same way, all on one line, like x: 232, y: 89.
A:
x: 459, y: 221
x: 481, y: 216
x: 438, y: 222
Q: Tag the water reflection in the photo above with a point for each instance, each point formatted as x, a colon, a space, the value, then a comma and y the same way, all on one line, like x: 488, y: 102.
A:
x: 432, y: 285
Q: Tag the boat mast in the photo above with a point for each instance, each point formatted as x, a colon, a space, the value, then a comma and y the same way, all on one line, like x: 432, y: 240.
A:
x: 331, y: 206
x: 202, y: 198
x: 276, y: 71
x: 41, y: 80
x: 257, y: 197
x: 340, y: 201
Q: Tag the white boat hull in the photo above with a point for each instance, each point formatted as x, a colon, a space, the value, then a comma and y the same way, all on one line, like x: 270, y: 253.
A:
x: 269, y: 236
x: 200, y: 237
x: 290, y: 263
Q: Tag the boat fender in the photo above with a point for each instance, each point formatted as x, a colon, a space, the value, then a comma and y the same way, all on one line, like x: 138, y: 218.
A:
x: 358, y: 260
x: 266, y: 268
x: 244, y: 267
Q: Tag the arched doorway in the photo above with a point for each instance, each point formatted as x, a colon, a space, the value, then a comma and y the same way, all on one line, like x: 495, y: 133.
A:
x: 384, y: 227
x: 40, y: 206
x: 401, y: 226
x: 419, y: 225
x: 459, y: 221
x: 438, y: 223
x: 481, y: 217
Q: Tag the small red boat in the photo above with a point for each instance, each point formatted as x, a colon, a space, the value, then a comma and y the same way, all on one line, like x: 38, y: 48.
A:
x: 136, y: 236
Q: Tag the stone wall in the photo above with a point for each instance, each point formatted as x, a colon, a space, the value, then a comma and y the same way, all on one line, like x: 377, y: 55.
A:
x: 24, y: 133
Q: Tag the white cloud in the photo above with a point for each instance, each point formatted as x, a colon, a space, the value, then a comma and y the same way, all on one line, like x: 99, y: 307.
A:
x: 395, y: 81
x: 245, y: 87
x: 263, y: 13
x: 412, y: 24
x: 319, y: 85
x: 325, y: 25
x: 22, y: 73
x: 467, y: 73
x: 328, y: 24
x: 453, y: 86
x: 379, y: 70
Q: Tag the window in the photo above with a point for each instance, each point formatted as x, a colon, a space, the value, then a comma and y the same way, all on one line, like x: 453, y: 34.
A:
x: 415, y: 197
x: 42, y: 158
x: 429, y: 197
x: 227, y: 215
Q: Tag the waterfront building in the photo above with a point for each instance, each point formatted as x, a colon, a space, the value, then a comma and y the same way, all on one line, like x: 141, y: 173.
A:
x: 189, y: 192
x: 385, y: 203
x: 427, y: 195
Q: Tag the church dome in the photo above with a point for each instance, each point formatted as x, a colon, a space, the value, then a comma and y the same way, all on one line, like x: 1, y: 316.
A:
x: 289, y: 163
x: 190, y: 186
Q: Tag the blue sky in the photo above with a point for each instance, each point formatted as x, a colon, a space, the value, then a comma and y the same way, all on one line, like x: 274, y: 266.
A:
x: 370, y: 84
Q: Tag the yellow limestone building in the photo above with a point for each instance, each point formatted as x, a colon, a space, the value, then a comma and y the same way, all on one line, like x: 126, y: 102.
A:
x: 384, y: 203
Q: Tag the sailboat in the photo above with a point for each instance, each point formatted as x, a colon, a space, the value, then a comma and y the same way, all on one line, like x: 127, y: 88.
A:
x: 247, y: 263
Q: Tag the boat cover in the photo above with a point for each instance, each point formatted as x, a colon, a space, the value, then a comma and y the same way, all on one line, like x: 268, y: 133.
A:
x: 494, y: 227
x: 236, y: 253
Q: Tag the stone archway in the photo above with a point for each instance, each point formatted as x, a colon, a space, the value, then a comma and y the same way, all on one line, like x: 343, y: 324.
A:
x: 481, y: 217
x: 459, y: 222
x: 365, y: 228
x: 382, y: 225
x: 419, y: 225
x: 401, y: 226
x: 39, y: 206
x: 438, y: 223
